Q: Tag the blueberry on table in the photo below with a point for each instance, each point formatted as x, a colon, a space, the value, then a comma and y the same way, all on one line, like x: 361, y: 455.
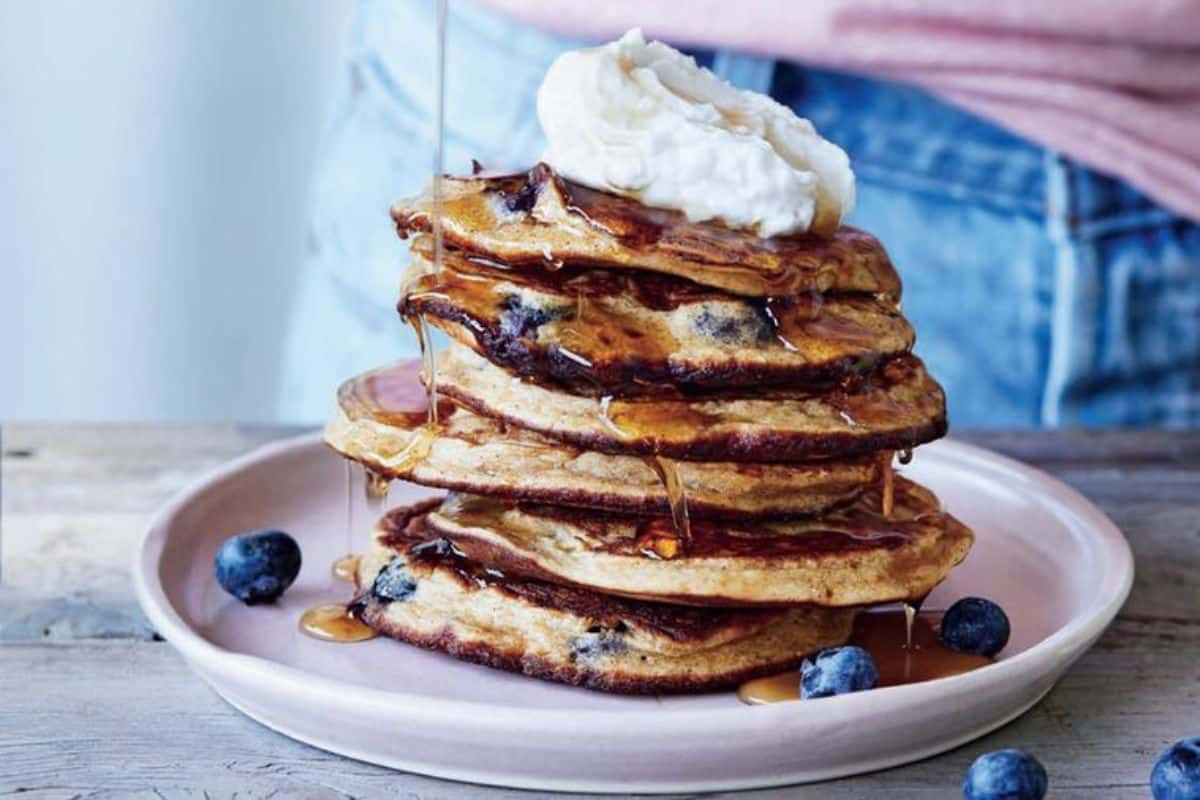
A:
x: 257, y: 566
x: 975, y: 625
x: 1005, y: 775
x: 1176, y: 773
x: 839, y: 670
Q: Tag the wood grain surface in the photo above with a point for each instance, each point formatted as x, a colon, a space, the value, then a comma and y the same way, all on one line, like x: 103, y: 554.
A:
x: 93, y: 705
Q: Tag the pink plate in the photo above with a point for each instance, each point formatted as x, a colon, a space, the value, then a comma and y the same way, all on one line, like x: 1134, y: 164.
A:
x: 1059, y: 567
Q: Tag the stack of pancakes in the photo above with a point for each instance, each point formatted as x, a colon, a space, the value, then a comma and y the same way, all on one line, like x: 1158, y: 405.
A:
x: 668, y: 444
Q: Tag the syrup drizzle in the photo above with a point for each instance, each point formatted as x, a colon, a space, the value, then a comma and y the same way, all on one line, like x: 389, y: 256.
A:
x: 439, y: 153
x: 336, y: 622
x: 922, y: 658
x: 349, y: 517
x: 888, y: 494
x: 346, y: 568
x: 375, y: 490
x: 667, y: 471
x: 420, y: 326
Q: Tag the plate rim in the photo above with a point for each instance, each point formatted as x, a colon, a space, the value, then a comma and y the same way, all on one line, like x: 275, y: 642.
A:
x: 211, y: 659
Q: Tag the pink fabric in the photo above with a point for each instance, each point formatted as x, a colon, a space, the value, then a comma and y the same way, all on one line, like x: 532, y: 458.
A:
x: 1114, y: 85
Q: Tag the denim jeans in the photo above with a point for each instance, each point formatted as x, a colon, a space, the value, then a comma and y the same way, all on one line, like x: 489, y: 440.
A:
x: 1042, y: 292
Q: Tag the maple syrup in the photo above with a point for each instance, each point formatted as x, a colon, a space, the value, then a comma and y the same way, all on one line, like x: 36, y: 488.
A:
x: 439, y: 153
x: 392, y: 396
x: 348, y: 520
x: 335, y: 622
x: 800, y: 320
x: 882, y: 634
x: 668, y: 473
x: 346, y: 568
x: 888, y: 504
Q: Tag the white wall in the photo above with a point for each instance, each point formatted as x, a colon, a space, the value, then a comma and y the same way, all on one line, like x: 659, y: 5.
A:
x: 154, y: 165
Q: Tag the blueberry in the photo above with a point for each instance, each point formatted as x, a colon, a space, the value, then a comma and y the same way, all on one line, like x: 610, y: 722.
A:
x: 975, y: 625
x: 838, y: 671
x: 1005, y: 775
x: 750, y: 326
x: 1176, y: 773
x: 524, y: 199
x: 393, y: 582
x: 598, y: 642
x: 519, y: 319
x: 257, y: 566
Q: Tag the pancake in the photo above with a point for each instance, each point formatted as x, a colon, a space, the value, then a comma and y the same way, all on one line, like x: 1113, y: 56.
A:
x: 540, y: 218
x: 380, y: 423
x: 422, y: 592
x: 617, y: 332
x: 896, y: 407
x: 847, y: 557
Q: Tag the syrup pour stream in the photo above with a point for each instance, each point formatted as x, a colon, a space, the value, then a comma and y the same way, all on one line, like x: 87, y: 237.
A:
x: 334, y: 622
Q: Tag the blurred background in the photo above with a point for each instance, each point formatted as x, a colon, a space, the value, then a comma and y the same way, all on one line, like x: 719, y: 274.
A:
x: 194, y: 193
x: 155, y: 165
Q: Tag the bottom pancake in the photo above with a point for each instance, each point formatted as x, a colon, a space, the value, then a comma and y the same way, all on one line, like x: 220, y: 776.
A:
x: 421, y: 590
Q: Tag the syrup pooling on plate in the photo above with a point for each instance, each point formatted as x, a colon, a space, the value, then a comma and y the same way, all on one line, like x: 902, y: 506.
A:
x: 335, y: 622
x: 882, y: 634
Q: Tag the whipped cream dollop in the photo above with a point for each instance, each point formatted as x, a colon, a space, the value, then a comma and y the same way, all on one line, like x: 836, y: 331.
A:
x: 641, y: 119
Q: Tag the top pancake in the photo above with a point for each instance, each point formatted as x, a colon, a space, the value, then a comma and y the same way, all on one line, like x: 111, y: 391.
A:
x: 625, y: 333
x: 420, y: 589
x: 540, y: 218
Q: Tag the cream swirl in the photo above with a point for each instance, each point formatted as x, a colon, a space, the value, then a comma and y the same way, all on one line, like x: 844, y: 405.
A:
x: 644, y: 120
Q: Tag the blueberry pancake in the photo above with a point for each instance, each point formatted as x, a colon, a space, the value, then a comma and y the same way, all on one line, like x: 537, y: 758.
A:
x: 540, y: 218
x: 379, y: 423
x: 847, y: 557
x: 895, y: 407
x: 616, y: 332
x: 419, y: 589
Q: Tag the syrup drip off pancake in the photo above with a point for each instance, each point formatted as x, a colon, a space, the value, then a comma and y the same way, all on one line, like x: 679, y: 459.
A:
x: 668, y: 444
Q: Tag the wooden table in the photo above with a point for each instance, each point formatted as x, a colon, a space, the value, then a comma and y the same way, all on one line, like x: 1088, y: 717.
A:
x: 92, y: 704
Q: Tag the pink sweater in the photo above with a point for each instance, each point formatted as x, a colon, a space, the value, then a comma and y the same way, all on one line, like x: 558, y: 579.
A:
x: 1114, y: 84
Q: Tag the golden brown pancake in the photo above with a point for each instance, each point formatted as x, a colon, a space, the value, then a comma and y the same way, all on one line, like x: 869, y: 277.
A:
x: 627, y: 333
x: 539, y: 218
x: 380, y: 423
x: 420, y: 590
x: 896, y: 407
x: 847, y: 557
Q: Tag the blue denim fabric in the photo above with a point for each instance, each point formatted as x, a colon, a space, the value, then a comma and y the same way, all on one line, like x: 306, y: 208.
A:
x: 1042, y: 292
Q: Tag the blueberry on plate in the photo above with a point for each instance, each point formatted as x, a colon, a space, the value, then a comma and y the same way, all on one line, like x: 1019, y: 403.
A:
x: 838, y: 670
x: 257, y: 566
x: 1005, y: 775
x: 1176, y: 773
x: 975, y: 625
